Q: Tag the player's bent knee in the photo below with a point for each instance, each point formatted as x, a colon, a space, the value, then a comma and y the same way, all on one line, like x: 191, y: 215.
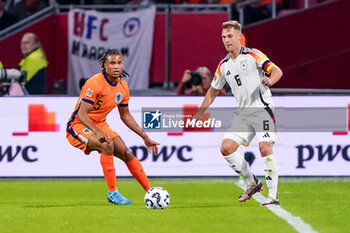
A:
x: 125, y: 155
x: 226, y: 150
x: 265, y: 148
x: 228, y: 147
x: 129, y: 155
x: 107, y: 148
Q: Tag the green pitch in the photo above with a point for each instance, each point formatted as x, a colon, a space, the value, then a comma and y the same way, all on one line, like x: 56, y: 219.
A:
x: 196, y: 205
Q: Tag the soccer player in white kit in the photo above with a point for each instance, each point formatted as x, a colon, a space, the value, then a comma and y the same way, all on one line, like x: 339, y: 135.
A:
x: 249, y: 73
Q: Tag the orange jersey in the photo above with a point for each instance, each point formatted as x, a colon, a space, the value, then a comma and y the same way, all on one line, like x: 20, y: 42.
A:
x: 103, y: 95
x: 243, y: 40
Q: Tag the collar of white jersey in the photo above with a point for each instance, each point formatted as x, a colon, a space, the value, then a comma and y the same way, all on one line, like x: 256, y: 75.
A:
x: 242, y: 49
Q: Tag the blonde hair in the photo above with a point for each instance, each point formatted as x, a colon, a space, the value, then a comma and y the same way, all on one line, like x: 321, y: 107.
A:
x: 232, y: 24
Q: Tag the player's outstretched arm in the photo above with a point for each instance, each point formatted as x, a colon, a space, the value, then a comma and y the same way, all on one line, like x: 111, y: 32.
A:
x: 130, y: 122
x: 208, y: 100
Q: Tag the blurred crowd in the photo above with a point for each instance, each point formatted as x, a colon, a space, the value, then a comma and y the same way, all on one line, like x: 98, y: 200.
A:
x: 12, y: 11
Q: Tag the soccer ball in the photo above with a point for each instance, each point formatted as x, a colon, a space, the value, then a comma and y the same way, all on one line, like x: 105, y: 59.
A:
x: 157, y: 198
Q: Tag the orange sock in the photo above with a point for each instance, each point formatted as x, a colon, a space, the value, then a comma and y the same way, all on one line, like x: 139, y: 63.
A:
x: 137, y: 171
x: 109, y: 171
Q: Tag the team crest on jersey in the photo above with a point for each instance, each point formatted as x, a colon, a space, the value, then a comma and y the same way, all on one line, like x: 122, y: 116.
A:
x: 86, y: 131
x: 243, y: 64
x: 118, y: 97
x: 89, y: 92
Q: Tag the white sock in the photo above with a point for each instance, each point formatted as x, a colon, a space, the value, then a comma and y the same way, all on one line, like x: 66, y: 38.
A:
x: 271, y: 175
x: 239, y: 165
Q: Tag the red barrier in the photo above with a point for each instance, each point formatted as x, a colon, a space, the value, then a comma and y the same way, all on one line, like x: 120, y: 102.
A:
x: 312, y: 47
x: 195, y: 41
x: 60, y: 67
x: 157, y: 69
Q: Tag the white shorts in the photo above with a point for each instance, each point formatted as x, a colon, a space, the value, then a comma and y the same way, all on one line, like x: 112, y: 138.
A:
x: 243, y: 127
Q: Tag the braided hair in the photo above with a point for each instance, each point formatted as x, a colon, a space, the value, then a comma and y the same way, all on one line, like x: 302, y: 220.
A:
x: 107, y: 53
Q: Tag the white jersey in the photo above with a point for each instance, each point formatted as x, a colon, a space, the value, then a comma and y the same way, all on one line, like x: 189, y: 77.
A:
x: 244, y: 75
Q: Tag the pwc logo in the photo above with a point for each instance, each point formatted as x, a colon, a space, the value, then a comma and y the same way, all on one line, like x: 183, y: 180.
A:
x: 39, y: 120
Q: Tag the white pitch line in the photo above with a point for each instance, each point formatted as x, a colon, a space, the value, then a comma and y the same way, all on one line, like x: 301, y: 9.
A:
x: 296, y: 222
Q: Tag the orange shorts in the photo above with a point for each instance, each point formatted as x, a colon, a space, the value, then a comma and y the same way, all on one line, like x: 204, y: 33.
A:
x: 78, y: 135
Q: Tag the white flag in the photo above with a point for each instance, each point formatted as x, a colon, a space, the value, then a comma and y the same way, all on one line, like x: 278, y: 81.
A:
x: 91, y: 33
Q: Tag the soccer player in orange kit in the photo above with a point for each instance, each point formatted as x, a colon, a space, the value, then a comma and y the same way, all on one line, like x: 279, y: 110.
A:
x: 87, y: 128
